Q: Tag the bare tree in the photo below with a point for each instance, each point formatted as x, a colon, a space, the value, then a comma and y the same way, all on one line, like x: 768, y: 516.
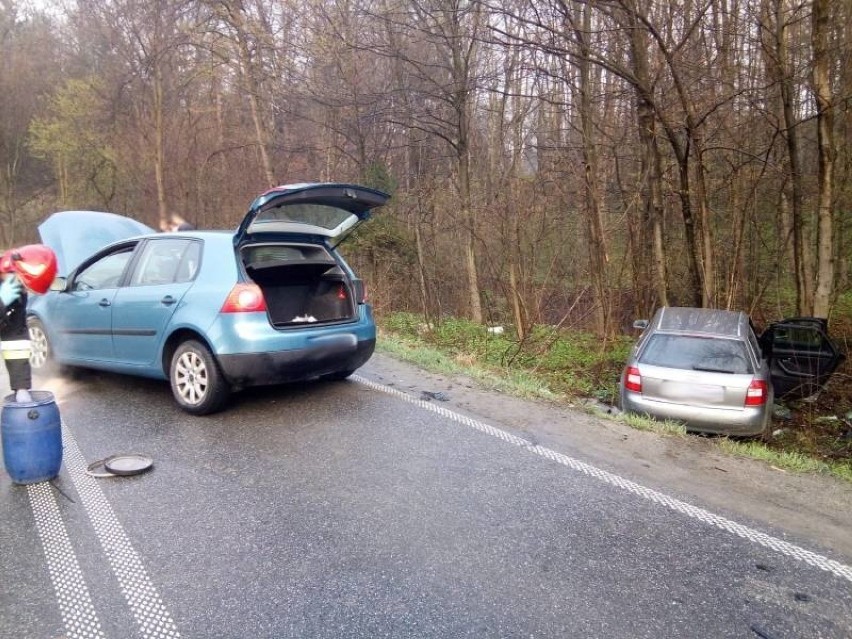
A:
x: 550, y: 160
x: 27, y: 76
x: 248, y: 29
x: 581, y: 20
x: 776, y: 21
x: 444, y: 64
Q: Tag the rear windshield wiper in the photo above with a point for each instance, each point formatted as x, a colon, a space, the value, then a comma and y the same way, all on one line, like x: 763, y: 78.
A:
x: 709, y: 369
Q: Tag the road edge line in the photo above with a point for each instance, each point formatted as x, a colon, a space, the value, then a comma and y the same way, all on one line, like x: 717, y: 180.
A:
x: 72, y: 594
x: 139, y: 591
x: 694, y: 512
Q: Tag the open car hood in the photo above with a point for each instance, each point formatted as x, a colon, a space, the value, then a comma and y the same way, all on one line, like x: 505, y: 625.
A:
x: 325, y: 210
x: 75, y: 235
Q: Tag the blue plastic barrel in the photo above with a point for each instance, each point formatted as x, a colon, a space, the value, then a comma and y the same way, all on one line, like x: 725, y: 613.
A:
x: 32, y: 438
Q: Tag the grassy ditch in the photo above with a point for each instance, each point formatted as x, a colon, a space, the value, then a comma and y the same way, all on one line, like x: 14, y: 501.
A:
x: 567, y: 366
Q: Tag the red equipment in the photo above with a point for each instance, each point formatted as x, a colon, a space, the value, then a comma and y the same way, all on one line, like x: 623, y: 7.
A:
x: 34, y: 264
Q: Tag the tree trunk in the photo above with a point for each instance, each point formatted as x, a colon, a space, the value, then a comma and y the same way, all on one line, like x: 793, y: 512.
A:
x: 708, y: 253
x: 682, y: 153
x: 650, y: 164
x: 825, y: 141
x: 469, y: 218
x: 519, y: 309
x: 594, y: 225
x: 462, y: 103
x: 159, y: 148
x: 802, y: 253
x: 421, y: 272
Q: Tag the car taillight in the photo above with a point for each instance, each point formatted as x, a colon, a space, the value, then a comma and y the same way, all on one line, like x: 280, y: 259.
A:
x: 632, y: 379
x: 244, y: 298
x: 360, y: 291
x: 757, y: 393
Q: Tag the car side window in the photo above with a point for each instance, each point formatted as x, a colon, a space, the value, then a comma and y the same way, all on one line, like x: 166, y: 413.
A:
x: 159, y: 262
x: 796, y: 337
x: 105, y: 273
x: 189, y: 262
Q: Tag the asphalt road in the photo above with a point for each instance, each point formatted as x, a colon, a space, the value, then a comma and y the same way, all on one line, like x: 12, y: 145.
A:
x: 358, y: 509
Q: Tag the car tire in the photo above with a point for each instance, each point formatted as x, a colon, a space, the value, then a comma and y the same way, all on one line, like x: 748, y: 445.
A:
x: 41, y: 353
x: 337, y: 376
x: 197, y: 383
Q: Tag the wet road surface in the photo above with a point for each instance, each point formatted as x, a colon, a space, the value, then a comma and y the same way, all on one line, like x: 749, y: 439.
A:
x: 356, y: 509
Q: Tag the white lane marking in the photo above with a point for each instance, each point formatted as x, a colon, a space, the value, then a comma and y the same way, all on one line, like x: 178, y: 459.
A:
x: 141, y: 595
x: 704, y: 516
x: 75, y: 604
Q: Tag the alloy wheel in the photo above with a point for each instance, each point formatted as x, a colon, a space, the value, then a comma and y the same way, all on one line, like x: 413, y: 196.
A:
x: 191, y: 377
x: 39, y: 349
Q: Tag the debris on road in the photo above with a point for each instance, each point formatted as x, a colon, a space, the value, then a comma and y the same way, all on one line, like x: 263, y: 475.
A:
x: 429, y: 395
x: 125, y: 465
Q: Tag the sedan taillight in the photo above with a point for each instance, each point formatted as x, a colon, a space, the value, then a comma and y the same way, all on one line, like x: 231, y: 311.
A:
x: 757, y: 393
x: 632, y: 379
x: 244, y: 298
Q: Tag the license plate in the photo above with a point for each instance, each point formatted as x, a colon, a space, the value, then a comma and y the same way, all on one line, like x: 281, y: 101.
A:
x: 694, y: 392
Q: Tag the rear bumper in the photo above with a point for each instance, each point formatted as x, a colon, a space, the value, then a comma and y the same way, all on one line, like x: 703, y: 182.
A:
x: 335, y: 354
x: 705, y: 419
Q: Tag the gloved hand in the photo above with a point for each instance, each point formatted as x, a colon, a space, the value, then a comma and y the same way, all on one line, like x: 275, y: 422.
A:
x: 10, y: 290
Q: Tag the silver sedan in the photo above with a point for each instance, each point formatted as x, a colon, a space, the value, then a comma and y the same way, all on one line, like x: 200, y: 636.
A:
x: 702, y: 367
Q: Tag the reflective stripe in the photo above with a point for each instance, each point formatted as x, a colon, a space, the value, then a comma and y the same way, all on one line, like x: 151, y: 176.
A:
x: 16, y: 354
x: 14, y: 344
x: 16, y: 349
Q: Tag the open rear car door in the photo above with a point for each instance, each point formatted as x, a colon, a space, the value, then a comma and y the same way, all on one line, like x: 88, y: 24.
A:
x: 801, y: 355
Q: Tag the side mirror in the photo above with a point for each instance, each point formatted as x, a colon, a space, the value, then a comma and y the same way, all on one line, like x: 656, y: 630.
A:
x: 640, y: 324
x: 59, y: 284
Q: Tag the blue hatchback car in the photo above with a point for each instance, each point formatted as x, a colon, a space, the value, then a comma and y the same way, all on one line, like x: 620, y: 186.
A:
x: 211, y: 311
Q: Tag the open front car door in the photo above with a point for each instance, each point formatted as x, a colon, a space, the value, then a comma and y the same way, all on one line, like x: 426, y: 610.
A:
x: 801, y: 355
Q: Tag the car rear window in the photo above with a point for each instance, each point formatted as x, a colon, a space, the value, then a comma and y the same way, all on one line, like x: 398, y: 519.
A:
x: 697, y: 353
x: 282, y: 253
x: 322, y: 215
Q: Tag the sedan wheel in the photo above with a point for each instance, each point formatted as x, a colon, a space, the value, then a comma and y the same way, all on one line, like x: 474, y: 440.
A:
x: 197, y: 383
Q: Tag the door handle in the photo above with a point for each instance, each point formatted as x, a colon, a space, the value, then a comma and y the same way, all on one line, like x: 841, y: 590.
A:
x: 168, y: 300
x: 104, y: 302
x: 787, y: 367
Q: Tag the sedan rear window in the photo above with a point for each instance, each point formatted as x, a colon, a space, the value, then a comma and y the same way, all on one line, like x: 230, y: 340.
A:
x: 697, y: 353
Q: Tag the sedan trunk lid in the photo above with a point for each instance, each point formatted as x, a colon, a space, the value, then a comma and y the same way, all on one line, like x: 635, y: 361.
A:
x: 697, y: 388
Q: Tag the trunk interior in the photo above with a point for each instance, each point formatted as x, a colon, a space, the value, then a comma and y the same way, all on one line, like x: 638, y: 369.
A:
x: 302, y: 284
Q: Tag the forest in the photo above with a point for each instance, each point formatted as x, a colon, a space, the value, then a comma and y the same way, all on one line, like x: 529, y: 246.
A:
x: 574, y: 163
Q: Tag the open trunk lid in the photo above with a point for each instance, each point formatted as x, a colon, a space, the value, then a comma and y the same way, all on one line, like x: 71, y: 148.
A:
x: 328, y: 211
